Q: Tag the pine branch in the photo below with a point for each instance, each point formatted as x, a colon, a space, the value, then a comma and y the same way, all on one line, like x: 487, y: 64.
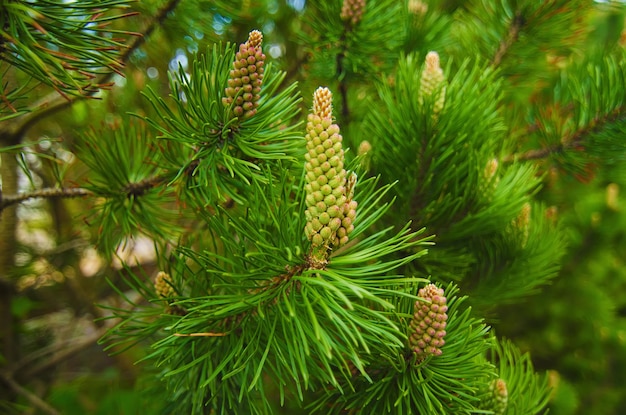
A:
x: 35, y: 400
x: 132, y: 189
x: 521, y: 32
x: 54, y: 102
x: 141, y: 187
x: 538, y: 154
x: 64, y: 351
x: 574, y: 141
x: 512, y: 36
x: 47, y: 193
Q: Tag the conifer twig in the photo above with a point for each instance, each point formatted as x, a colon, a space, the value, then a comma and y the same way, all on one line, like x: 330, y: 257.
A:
x: 207, y: 334
x: 47, y: 193
x: 53, y: 102
x: 132, y: 189
x: 573, y: 141
x: 535, y: 154
x: 66, y: 351
x: 511, y: 38
x: 141, y: 187
x: 35, y: 400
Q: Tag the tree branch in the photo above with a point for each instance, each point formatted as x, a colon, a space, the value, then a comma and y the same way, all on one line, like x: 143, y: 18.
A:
x: 141, y: 187
x: 65, y: 351
x: 54, y: 102
x: 536, y: 154
x: 49, y: 193
x: 131, y: 189
x: 574, y: 140
x: 513, y: 34
x: 35, y: 400
x: 343, y: 88
x: 58, y: 352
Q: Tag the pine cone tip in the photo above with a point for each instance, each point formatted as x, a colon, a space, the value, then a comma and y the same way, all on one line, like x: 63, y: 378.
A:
x: 432, y: 62
x: 255, y: 38
x: 323, y: 103
x: 162, y: 285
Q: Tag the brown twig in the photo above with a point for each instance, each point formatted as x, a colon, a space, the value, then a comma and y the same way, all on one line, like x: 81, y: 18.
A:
x: 35, y: 400
x: 512, y: 36
x: 141, y: 187
x: 207, y: 334
x: 132, y: 189
x: 575, y: 140
x: 536, y: 154
x: 60, y: 354
x: 48, y: 193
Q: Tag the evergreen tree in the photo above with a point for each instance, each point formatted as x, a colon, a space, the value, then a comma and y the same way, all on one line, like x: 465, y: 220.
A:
x: 356, y: 206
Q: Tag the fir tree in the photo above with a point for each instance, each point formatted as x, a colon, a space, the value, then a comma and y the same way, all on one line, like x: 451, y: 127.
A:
x: 346, y: 200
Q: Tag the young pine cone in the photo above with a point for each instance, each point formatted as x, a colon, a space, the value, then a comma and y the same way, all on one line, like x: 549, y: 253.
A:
x: 497, y: 397
x: 352, y: 11
x: 164, y: 289
x: 162, y: 285
x: 428, y: 325
x: 330, y: 208
x: 246, y: 77
x: 432, y: 82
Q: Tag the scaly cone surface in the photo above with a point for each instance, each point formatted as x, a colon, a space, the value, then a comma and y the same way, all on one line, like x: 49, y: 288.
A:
x: 428, y: 325
x: 497, y: 398
x: 329, y: 188
x: 352, y: 11
x: 246, y: 77
x: 432, y: 83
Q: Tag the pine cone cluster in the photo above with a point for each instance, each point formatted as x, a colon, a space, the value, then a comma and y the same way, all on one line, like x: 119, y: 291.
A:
x: 330, y: 208
x: 352, y: 11
x: 428, y: 325
x: 432, y: 82
x: 246, y: 77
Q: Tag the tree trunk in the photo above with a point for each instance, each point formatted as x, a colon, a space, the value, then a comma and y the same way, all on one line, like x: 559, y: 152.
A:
x: 8, y: 224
